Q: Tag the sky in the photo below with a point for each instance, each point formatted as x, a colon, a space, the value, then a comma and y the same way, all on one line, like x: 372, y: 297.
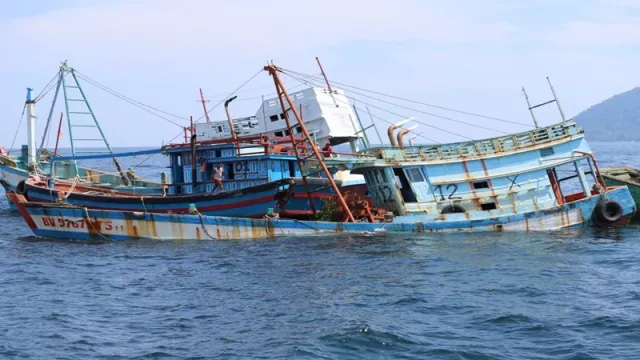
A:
x: 462, y: 54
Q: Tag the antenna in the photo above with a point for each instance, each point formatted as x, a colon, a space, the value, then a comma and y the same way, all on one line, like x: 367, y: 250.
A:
x: 555, y: 100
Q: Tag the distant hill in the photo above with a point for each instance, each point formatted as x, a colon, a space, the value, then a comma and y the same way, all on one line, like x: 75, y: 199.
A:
x: 615, y: 119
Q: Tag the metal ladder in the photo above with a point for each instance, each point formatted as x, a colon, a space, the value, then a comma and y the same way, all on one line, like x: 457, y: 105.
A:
x: 284, y: 98
x: 71, y: 87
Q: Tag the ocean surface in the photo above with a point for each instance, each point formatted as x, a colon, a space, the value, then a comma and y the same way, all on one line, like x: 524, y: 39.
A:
x: 571, y: 294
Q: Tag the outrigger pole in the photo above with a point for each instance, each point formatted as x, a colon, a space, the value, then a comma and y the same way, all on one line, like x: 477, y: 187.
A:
x: 282, y: 97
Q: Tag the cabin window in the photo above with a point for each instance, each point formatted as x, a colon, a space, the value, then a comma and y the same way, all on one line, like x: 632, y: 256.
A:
x: 219, y: 129
x: 546, y: 152
x: 218, y: 153
x: 286, y: 133
x: 278, y: 133
x: 298, y: 130
x: 488, y: 206
x: 379, y: 177
x: 415, y: 175
x: 401, y: 179
x: 292, y: 169
x: 273, y: 118
x: 481, y: 185
x: 372, y: 179
x: 383, y: 175
x: 282, y: 116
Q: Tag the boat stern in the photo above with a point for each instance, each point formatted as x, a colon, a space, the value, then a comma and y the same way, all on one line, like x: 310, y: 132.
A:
x: 615, y: 208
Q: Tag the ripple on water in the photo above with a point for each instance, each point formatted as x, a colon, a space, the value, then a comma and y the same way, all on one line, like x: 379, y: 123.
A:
x: 570, y: 294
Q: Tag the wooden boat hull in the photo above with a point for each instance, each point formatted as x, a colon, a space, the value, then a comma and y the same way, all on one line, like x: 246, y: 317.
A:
x: 11, y: 175
x: 253, y: 201
x: 62, y: 221
x: 623, y: 176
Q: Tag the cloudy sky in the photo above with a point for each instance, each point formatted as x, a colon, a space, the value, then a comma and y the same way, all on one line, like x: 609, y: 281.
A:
x: 463, y: 54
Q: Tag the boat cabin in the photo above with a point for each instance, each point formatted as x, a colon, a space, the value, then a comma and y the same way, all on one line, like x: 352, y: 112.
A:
x: 251, y: 161
x: 528, y: 171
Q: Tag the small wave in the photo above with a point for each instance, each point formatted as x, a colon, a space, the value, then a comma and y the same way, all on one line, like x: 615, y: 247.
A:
x: 510, y: 319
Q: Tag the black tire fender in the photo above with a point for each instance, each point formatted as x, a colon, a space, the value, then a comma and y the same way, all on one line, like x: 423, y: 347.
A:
x: 607, y: 211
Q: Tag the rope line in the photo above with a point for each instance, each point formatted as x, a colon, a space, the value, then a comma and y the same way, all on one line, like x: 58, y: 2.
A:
x: 423, y: 112
x: 132, y: 102
x: 18, y: 129
x: 413, y: 101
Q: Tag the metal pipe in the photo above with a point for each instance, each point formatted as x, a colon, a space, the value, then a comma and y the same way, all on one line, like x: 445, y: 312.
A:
x: 402, y: 133
x: 233, y: 130
x: 411, y: 140
x: 194, y: 171
x: 393, y: 128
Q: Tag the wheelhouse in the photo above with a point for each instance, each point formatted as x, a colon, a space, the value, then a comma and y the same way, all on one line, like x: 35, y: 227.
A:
x: 529, y: 171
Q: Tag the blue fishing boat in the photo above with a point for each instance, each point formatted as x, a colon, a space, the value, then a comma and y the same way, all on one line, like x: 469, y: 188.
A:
x: 507, y: 183
x: 259, y: 174
x: 84, y: 130
x: 239, y: 145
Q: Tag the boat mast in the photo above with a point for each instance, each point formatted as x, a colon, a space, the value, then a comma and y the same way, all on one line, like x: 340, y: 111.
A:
x: 555, y: 98
x: 326, y: 80
x: 55, y: 151
x: 32, y: 158
x: 282, y: 97
x: 204, y: 106
x: 194, y: 171
x: 55, y: 98
x: 535, y: 122
x: 354, y: 146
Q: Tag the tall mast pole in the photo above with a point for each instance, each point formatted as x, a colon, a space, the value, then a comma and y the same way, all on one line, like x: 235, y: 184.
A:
x: 535, y: 122
x: 556, y: 99
x: 283, y: 95
x: 204, y: 106
x: 55, y: 151
x: 53, y: 104
x: 326, y: 80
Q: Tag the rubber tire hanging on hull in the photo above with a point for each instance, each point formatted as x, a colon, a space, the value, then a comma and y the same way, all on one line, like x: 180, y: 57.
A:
x: 20, y: 188
x: 607, y: 211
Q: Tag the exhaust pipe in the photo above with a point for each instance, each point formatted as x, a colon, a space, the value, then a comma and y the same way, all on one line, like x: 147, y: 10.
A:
x: 392, y: 128
x: 402, y: 133
x: 411, y: 140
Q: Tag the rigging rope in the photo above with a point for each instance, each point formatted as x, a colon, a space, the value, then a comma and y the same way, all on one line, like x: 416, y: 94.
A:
x: 131, y: 101
x: 393, y: 113
x: 47, y: 88
x: 228, y: 96
x: 18, y: 129
x: 411, y: 101
x: 422, y: 112
x: 202, y: 117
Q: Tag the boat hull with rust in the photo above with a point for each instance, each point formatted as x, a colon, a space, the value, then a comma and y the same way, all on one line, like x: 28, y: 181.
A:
x: 64, y: 221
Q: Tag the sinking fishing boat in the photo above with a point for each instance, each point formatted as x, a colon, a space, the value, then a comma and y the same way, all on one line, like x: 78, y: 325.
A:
x: 623, y: 176
x: 84, y: 129
x: 507, y: 183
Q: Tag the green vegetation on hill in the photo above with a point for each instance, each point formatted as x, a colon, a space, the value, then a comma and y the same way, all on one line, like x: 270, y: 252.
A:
x: 615, y: 119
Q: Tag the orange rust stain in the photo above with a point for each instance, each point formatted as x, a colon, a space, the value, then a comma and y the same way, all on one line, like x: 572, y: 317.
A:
x: 526, y: 224
x: 467, y: 176
x: 497, y: 227
x: 235, y: 231
x: 198, y: 236
x: 177, y: 229
x: 218, y: 233
x: 131, y: 230
x: 493, y: 191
